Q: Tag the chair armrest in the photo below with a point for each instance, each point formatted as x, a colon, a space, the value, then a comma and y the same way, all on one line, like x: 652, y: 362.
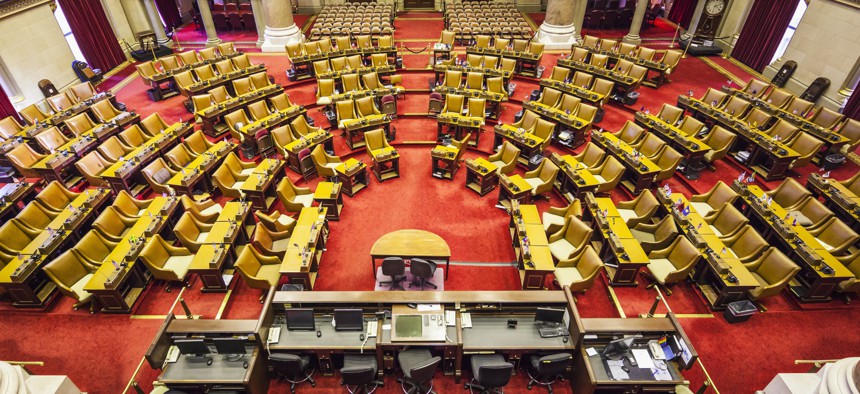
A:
x: 267, y: 260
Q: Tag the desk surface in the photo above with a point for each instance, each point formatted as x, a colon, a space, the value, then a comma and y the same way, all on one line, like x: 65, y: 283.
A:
x: 411, y: 242
x: 330, y: 338
x: 490, y: 332
x: 221, y: 371
x: 429, y: 297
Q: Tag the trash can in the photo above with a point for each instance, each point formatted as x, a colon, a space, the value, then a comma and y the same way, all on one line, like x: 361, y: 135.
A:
x: 833, y: 161
x: 631, y: 98
x: 535, y: 95
x: 694, y: 170
x: 739, y: 311
x: 518, y: 115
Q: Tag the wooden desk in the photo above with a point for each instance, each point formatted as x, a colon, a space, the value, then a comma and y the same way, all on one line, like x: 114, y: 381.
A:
x: 355, y: 128
x: 623, y: 82
x: 460, y: 125
x: 188, y: 373
x: 197, y: 173
x: 837, y: 197
x: 481, y: 176
x: 309, y: 142
x: 640, y: 171
x: 513, y: 188
x: 212, y: 116
x: 691, y: 147
x: 260, y: 185
x: 410, y: 244
x: 491, y: 97
x: 567, y: 124
x: 588, y: 96
x: 574, y: 178
x: 534, y: 259
x: 14, y: 197
x: 386, y: 164
x: 272, y: 121
x: 444, y: 163
x: 529, y: 144
x: 223, y: 80
x: 209, y: 264
x: 327, y: 195
x: 522, y: 58
x: 618, y: 243
x: 440, y: 69
x: 233, y: 225
x: 353, y: 175
x: 125, y: 173
x: 303, y: 257
x: 659, y: 68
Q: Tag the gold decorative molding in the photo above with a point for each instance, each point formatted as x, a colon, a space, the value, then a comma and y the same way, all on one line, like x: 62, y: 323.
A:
x: 12, y: 7
x: 852, y: 3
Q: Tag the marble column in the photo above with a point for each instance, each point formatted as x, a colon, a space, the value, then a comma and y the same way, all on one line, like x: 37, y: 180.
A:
x: 155, y: 22
x: 137, y: 20
x: 281, y: 29
x: 208, y: 25
x: 632, y: 36
x: 557, y: 30
x: 259, y: 20
x: 700, y: 7
x: 8, y: 84
x: 733, y: 21
x: 119, y: 22
x: 579, y: 10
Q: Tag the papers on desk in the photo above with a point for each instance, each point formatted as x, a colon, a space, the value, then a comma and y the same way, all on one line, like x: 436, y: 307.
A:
x: 429, y: 307
x: 662, y: 371
x: 591, y: 352
x: 643, y: 358
x: 615, y: 370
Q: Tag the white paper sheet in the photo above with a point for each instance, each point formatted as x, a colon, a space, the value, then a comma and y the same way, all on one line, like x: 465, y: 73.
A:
x: 643, y: 358
x: 429, y: 307
x: 591, y: 351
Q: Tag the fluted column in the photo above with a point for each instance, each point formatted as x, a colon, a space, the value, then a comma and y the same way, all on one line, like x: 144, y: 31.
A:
x: 155, y: 22
x: 259, y: 20
x: 8, y: 84
x: 632, y: 36
x: 137, y: 20
x: 119, y: 22
x: 557, y: 30
x: 281, y: 29
x: 579, y: 18
x: 733, y: 21
x: 208, y: 25
x: 700, y: 6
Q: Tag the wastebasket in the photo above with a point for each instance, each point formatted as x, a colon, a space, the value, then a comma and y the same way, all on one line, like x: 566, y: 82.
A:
x: 739, y: 311
x: 833, y: 161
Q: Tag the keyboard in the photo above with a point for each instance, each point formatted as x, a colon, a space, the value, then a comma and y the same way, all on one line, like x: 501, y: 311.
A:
x: 552, y: 332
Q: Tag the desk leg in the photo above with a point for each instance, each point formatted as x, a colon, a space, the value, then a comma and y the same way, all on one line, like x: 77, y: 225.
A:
x: 447, y: 267
x: 373, y: 262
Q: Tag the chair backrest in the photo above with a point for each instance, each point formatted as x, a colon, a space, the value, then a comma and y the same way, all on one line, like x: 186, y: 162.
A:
x: 393, y: 266
x: 495, y: 375
x: 554, y: 364
x: 357, y: 375
x: 286, y: 363
x: 424, y: 372
x: 421, y: 268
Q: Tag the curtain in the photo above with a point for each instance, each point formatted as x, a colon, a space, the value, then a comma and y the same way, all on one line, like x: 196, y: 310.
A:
x: 93, y: 33
x: 763, y: 32
x: 852, y: 107
x: 6, y: 108
x: 169, y: 13
x: 682, y: 12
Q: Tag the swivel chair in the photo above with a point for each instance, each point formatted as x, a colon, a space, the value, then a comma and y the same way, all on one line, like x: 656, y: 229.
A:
x: 359, y: 371
x: 418, y: 366
x: 395, y: 268
x: 422, y: 270
x: 293, y: 368
x: 491, y: 373
x: 546, y: 370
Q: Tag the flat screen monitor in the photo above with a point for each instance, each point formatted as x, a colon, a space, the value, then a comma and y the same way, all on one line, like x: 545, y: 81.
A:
x: 300, y: 319
x: 409, y: 326
x: 618, y: 348
x: 230, y: 346
x: 549, y: 315
x: 192, y: 347
x: 348, y: 320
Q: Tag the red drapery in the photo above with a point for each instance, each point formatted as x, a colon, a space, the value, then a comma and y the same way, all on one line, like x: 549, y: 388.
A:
x: 6, y: 108
x: 169, y: 13
x: 93, y: 33
x: 852, y: 108
x: 682, y: 12
x: 763, y: 31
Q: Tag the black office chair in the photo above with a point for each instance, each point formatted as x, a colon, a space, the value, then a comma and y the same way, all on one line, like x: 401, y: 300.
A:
x: 395, y: 268
x: 359, y: 371
x: 548, y: 369
x: 491, y: 372
x: 422, y: 270
x: 293, y: 368
x: 418, y: 367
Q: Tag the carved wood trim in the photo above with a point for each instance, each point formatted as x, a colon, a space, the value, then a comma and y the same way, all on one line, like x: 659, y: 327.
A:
x: 12, y: 7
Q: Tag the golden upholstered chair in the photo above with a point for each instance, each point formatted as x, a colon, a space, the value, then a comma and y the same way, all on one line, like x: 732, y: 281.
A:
x: 325, y: 89
x: 153, y: 124
x: 807, y: 147
x: 482, y: 41
x: 71, y: 274
x: 736, y: 106
x: 580, y: 271
x: 638, y: 210
x: 366, y: 107
x: 129, y: 205
x: 715, y: 198
x: 228, y: 182
x: 581, y: 79
x: 197, y: 143
x: 528, y: 121
x: 592, y: 156
x: 105, y: 111
x: 93, y: 248
x: 133, y: 136
x: 224, y: 67
x: 559, y: 74
x: 756, y: 88
x: 569, y: 239
x: 505, y: 159
x: 271, y: 243
x: 189, y: 57
x: 653, y: 236
x: 453, y: 104
x: 672, y: 264
x: 9, y: 127
x: 670, y: 114
x: 799, y: 106
x: 714, y: 97
x: 851, y: 285
x: 345, y: 110
x: 630, y: 133
x: 82, y: 91
x: 324, y: 162
x: 789, y: 194
x: 691, y: 126
x: 553, y: 218
x: 165, y: 261
x: 35, y: 216
x: 811, y: 213
x: 23, y: 157
x: 32, y: 114
x: 447, y: 38
x: 113, y: 149
x: 322, y: 67
x: 375, y: 142
x: 276, y: 222
x: 851, y: 130
x: 827, y: 118
x: 236, y: 120
x: 91, y: 166
x: 542, y: 177
x: 205, y: 72
x: 56, y: 197
x: 301, y: 127
x: 157, y: 174
x: 293, y: 197
x: 205, y: 211
x: 604, y: 88
x: 192, y: 232
x: 598, y: 60
x: 607, y: 174
x: 59, y: 102
x: 179, y: 157
x: 281, y: 102
x: 720, y: 140
x: 113, y: 225
x: 474, y: 81
x: 51, y: 139
x: 237, y: 166
x: 15, y: 235
x: 281, y: 136
x: 350, y: 82
x: 543, y: 129
x: 746, y: 245
x: 726, y: 221
x: 668, y: 161
x: 773, y: 271
x: 258, y: 110
x: 259, y: 271
x: 80, y: 124
x: 835, y: 236
x: 852, y: 184
x: 651, y: 146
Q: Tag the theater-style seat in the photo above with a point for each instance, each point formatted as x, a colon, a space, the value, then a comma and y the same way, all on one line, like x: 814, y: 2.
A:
x: 773, y: 271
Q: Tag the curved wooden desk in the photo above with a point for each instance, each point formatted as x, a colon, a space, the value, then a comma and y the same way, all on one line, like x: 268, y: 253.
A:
x: 411, y: 243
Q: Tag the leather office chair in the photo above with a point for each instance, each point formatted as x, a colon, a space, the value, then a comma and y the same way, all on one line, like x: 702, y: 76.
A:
x: 670, y: 113
x: 271, y: 243
x: 197, y: 144
x: 691, y: 126
x: 14, y: 236
x: 542, y: 177
x: 528, y: 121
x: 852, y: 184
x: 672, y: 264
x: 133, y: 136
x: 714, y: 98
x: 852, y: 285
x: 93, y: 248
x: 205, y: 211
x: 726, y: 221
x: 505, y: 159
x: 113, y: 149
x: 35, y: 216
x: 105, y: 112
x: 799, y: 107
x: 71, y: 274
x: 827, y: 118
x: 607, y: 174
x: 157, y: 174
x: 453, y: 104
x: 293, y: 197
x: 276, y: 222
x: 113, y: 225
x: 558, y: 73
x: 782, y: 130
x: 418, y: 366
x: 345, y: 110
x: 773, y: 271
x: 82, y: 91
x: 651, y: 146
x: 851, y: 130
x: 810, y: 214
x: 789, y: 194
x: 580, y: 271
x: 592, y: 156
x: 51, y: 139
x: 325, y: 163
x: 474, y: 81
x: 422, y: 270
x: 259, y: 271
x: 630, y: 133
x: 59, y: 102
x: 281, y: 137
x: 9, y: 127
x: 293, y: 368
x: 746, y: 245
x: 491, y: 372
x: 91, y: 167
x: 56, y: 197
x: 154, y: 124
x: 546, y: 370
x: 227, y: 182
x: 567, y: 241
x: 359, y: 371
x: 544, y: 130
x: 639, y: 210
x: 720, y: 140
x: 835, y: 236
x: 668, y: 161
x: 366, y: 107
x: 166, y: 262
x: 653, y: 236
x: 736, y: 106
x: 715, y: 198
x: 130, y: 206
x: 192, y: 232
x: 394, y: 268
x: 756, y: 87
x: 325, y: 89
x: 553, y: 218
x: 807, y: 146
x: 237, y: 166
x: 23, y: 157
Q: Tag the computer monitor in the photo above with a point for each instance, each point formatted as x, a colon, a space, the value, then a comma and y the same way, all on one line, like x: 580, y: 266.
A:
x: 348, y: 320
x: 549, y: 315
x: 408, y: 326
x: 230, y: 346
x: 300, y: 319
x: 618, y: 348
x: 192, y: 347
